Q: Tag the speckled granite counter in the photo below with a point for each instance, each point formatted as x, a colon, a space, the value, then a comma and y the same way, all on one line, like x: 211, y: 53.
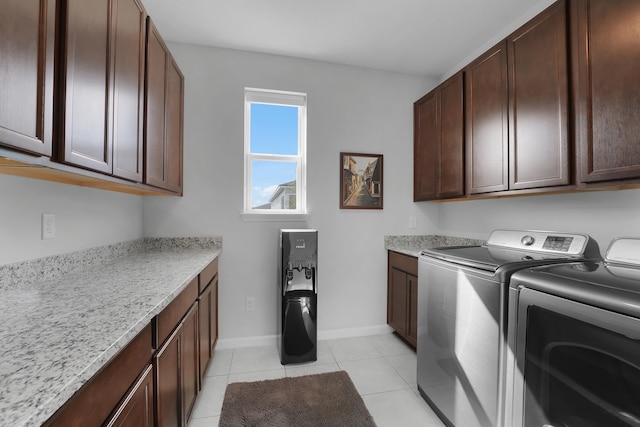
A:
x: 57, y: 333
x: 412, y: 245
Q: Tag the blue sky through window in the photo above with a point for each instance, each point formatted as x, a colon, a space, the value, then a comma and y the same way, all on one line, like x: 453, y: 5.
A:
x: 274, y: 130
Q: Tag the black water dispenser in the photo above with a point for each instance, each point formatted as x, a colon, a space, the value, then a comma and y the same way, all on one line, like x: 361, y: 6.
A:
x: 298, y: 296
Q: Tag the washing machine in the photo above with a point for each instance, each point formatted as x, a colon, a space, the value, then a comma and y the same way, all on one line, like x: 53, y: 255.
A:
x: 462, y: 318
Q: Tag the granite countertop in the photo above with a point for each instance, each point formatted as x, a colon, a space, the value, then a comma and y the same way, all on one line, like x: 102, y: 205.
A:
x: 57, y: 333
x: 413, y: 245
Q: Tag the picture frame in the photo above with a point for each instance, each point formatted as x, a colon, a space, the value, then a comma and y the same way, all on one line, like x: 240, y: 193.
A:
x: 361, y: 184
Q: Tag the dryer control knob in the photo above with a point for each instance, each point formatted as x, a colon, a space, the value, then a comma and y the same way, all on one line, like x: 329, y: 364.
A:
x: 527, y: 240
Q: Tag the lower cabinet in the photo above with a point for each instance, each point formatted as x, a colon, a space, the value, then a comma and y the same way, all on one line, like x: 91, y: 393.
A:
x: 207, y: 314
x: 137, y: 407
x: 177, y: 373
x: 402, y: 296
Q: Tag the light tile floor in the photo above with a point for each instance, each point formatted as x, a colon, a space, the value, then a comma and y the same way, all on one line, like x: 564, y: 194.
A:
x: 382, y: 368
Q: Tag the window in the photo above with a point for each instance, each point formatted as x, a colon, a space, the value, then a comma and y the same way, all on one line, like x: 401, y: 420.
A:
x: 274, y: 152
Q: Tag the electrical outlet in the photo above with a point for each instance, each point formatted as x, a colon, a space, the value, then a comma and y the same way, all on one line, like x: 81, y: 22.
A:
x: 249, y: 304
x: 412, y: 222
x: 48, y: 226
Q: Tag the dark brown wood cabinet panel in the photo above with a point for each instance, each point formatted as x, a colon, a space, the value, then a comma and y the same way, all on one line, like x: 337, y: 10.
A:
x: 605, y: 43
x: 189, y: 363
x: 426, y: 148
x: 213, y: 319
x: 209, y: 272
x: 438, y: 168
x: 127, y: 89
x: 412, y: 321
x: 137, y: 408
x: 103, y: 392
x: 538, y: 101
x: 486, y: 117
x: 166, y: 365
x: 402, y: 296
x: 204, y: 329
x: 27, y: 45
x: 451, y: 117
x: 164, y: 115
x: 170, y: 316
x: 397, y: 311
x: 174, y: 122
x: 102, y: 86
x: 83, y: 138
x: 207, y: 324
x: 177, y: 373
x: 156, y: 71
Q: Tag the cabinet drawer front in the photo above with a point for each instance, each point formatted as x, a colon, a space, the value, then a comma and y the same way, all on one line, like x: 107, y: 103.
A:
x: 168, y: 319
x: 93, y: 403
x: 208, y: 274
x: 406, y: 263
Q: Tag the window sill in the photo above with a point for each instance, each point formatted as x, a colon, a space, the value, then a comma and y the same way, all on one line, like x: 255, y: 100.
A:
x: 281, y: 217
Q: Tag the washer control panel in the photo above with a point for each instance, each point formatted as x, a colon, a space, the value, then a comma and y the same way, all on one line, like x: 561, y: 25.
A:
x: 540, y: 241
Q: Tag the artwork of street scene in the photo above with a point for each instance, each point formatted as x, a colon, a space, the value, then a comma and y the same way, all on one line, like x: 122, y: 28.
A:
x: 361, y: 181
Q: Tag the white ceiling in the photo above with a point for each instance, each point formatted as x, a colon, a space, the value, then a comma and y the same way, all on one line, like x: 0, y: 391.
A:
x: 423, y: 37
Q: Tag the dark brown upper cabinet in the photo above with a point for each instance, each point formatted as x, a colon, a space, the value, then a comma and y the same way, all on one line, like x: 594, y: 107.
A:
x: 517, y: 109
x: 486, y: 116
x: 127, y: 88
x: 102, y: 86
x: 439, y: 142
x: 539, y: 101
x: 164, y: 115
x: 27, y: 45
x: 605, y: 43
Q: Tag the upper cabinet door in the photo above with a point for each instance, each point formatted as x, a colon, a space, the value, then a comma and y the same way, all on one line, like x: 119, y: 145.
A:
x: 127, y: 87
x: 538, y: 101
x: 83, y: 138
x: 451, y: 165
x: 173, y: 127
x: 102, y: 86
x: 164, y: 115
x: 438, y: 168
x: 27, y: 36
x: 486, y: 102
x: 156, y: 69
x: 606, y: 57
x: 426, y: 147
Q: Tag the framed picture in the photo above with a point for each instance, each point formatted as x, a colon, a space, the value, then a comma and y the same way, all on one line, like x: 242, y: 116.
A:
x: 360, y: 181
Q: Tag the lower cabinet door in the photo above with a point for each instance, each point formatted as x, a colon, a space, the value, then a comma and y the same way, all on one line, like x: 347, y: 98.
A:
x: 412, y: 325
x: 136, y: 409
x: 397, y: 304
x: 204, y: 325
x: 177, y: 373
x: 213, y: 320
x: 167, y: 373
x: 189, y: 367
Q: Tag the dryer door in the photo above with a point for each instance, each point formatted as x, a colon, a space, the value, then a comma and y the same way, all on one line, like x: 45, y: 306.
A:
x: 577, y: 365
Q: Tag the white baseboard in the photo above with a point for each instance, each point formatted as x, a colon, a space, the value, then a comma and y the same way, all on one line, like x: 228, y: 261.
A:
x: 230, y: 343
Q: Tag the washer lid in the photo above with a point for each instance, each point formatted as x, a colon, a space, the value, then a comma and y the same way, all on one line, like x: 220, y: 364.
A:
x: 490, y: 258
x: 515, y: 249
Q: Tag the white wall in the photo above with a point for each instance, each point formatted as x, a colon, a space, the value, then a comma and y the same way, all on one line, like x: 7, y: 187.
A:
x: 85, y: 218
x: 601, y: 214
x: 349, y: 109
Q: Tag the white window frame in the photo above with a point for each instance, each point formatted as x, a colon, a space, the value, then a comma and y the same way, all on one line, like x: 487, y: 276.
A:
x: 276, y: 97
